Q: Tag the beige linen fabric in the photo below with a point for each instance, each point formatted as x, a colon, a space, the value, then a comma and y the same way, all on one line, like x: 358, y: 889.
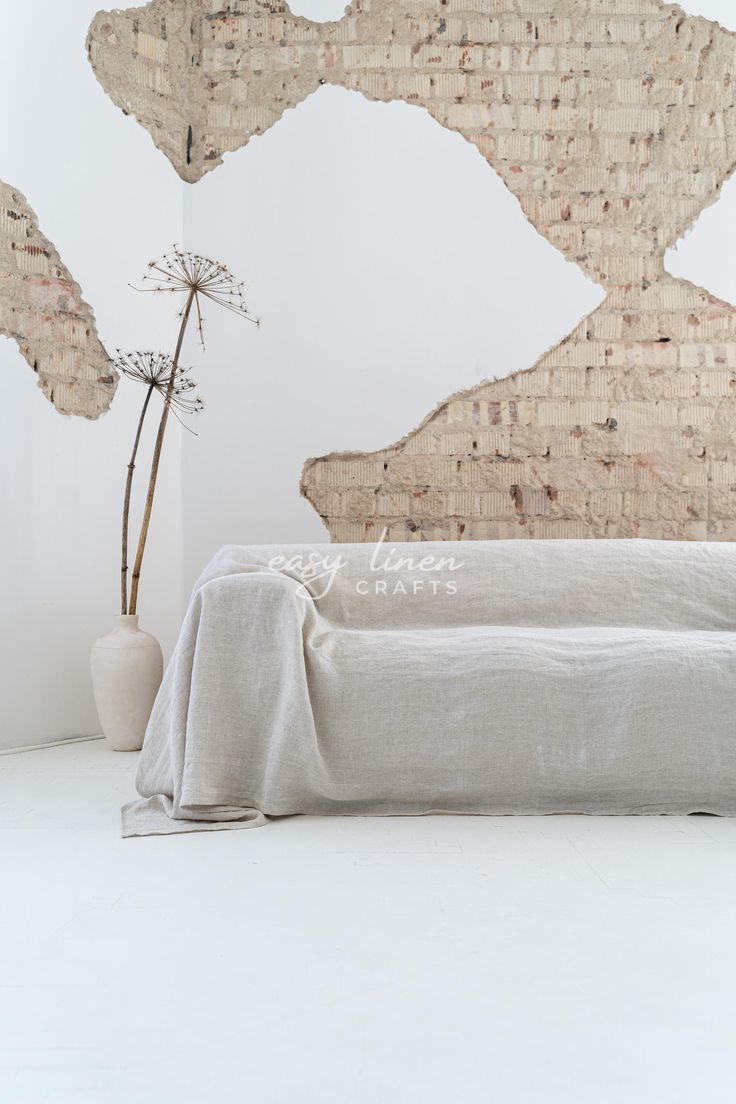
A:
x: 521, y: 677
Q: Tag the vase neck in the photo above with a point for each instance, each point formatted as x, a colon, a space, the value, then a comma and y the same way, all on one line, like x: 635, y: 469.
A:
x: 125, y: 621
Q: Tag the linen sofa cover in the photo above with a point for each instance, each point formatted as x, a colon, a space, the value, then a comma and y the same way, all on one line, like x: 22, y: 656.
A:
x: 495, y: 677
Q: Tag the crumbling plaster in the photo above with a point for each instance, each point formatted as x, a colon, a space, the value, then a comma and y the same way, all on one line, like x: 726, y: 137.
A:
x: 42, y: 310
x: 613, y: 123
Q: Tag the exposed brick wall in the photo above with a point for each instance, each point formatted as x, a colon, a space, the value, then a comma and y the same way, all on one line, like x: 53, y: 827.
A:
x: 613, y: 123
x: 617, y: 432
x: 41, y: 308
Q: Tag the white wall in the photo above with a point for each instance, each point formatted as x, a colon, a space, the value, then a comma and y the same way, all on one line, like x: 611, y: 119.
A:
x: 389, y: 264
x: 109, y: 202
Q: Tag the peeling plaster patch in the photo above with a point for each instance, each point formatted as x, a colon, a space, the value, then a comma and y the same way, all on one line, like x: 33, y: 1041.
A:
x: 579, y: 99
x: 42, y: 310
x: 613, y: 123
x: 202, y: 79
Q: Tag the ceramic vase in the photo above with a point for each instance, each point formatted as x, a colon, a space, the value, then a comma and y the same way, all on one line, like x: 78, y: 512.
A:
x: 127, y: 668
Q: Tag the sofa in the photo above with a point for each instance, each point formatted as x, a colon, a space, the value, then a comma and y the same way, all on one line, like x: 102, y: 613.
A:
x: 499, y: 677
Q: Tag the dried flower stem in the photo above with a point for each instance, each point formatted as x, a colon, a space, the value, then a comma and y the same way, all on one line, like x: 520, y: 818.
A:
x: 176, y: 272
x: 155, y: 462
x: 126, y: 503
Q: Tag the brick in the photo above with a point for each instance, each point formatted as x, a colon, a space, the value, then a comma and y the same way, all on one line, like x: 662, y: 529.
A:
x: 42, y: 310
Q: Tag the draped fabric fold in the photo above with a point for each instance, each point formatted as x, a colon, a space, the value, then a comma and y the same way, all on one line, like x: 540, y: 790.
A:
x: 481, y: 677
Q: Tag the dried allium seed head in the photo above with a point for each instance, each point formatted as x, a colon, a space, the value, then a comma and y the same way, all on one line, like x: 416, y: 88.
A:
x: 154, y: 370
x: 182, y: 272
x: 147, y: 367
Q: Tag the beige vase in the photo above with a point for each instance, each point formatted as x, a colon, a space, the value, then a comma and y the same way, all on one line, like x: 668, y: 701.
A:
x: 127, y: 668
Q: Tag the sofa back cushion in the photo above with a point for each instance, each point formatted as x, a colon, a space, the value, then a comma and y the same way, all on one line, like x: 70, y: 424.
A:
x: 556, y: 584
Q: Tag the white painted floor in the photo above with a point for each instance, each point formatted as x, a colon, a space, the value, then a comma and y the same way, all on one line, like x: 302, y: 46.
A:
x: 358, y: 961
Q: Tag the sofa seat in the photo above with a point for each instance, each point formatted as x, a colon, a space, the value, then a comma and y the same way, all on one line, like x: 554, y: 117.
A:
x: 533, y: 720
